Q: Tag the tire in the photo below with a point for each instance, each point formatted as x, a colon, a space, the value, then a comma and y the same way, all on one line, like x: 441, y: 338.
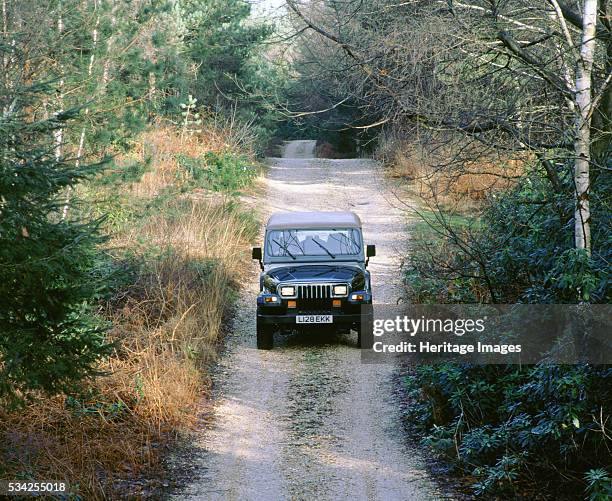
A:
x: 265, y: 337
x: 364, y: 334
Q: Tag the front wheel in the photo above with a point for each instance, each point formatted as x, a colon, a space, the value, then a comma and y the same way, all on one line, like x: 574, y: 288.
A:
x: 265, y: 337
x: 364, y: 334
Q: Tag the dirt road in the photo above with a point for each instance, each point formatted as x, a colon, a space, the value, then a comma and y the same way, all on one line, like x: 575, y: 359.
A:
x: 308, y: 420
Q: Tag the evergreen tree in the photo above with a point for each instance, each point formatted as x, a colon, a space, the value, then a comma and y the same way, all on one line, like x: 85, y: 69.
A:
x: 220, y: 42
x: 50, y: 337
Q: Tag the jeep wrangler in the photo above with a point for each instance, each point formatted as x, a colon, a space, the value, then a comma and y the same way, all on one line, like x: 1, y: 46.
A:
x: 313, y: 275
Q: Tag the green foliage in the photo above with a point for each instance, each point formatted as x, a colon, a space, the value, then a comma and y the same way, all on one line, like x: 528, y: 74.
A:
x: 211, y: 52
x: 50, y: 337
x: 118, y: 174
x: 220, y: 43
x: 520, y: 251
x: 599, y: 485
x: 105, y: 73
x: 226, y: 172
x: 575, y: 274
x: 110, y: 411
x: 531, y: 248
x: 505, y: 423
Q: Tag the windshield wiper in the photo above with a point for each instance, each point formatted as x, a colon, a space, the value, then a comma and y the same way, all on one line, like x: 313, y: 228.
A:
x: 284, y: 248
x: 325, y: 249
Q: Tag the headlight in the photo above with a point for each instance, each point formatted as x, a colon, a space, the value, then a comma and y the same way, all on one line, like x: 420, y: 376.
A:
x: 340, y: 290
x: 287, y: 291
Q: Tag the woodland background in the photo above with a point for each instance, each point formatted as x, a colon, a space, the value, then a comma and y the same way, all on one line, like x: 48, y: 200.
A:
x: 129, y: 130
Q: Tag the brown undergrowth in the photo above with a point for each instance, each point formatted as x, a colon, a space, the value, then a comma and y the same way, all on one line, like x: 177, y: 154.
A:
x: 443, y: 180
x: 451, y: 187
x: 180, y: 263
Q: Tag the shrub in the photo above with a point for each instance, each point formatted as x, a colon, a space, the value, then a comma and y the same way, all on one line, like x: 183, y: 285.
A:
x: 50, y: 337
x: 520, y: 250
x: 505, y: 423
x: 547, y: 424
x: 226, y: 172
x: 599, y: 485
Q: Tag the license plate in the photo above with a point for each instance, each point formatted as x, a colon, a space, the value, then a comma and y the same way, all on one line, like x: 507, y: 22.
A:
x: 314, y: 319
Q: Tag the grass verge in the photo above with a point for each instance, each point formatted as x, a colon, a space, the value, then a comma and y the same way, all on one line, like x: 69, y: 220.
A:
x: 178, y: 247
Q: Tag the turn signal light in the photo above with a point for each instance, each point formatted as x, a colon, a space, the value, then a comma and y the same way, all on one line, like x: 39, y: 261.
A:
x: 336, y: 303
x: 357, y: 297
x: 291, y: 304
x: 270, y: 299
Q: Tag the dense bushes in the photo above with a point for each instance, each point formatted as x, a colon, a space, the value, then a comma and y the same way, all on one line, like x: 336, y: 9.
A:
x: 502, y: 424
x: 225, y: 172
x: 519, y: 250
x: 510, y: 426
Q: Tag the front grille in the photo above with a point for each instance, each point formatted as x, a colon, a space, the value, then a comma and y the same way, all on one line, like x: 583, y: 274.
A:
x: 314, y: 291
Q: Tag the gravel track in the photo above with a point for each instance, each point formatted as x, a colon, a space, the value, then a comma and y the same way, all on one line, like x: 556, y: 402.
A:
x: 308, y: 420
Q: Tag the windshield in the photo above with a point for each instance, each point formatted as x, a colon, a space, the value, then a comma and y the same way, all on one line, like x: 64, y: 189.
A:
x: 328, y: 243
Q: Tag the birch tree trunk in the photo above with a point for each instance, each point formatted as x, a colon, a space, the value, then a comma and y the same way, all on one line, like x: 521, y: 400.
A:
x: 582, y: 141
x: 5, y: 37
x: 58, y: 134
x: 94, y: 35
x: 109, y: 45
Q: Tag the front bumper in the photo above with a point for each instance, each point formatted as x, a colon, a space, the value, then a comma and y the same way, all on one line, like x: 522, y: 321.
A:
x: 349, y: 313
x: 289, y: 319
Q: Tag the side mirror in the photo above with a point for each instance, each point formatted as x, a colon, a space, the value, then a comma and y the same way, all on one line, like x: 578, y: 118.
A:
x: 256, y: 254
x: 370, y: 252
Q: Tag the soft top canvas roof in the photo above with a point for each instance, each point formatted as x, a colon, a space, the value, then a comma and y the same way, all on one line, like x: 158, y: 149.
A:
x: 305, y: 220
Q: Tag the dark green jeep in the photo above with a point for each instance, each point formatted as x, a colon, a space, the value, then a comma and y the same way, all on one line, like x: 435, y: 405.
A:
x: 313, y: 275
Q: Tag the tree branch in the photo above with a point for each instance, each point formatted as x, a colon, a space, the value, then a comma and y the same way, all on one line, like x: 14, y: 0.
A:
x: 346, y: 47
x: 575, y: 19
x: 512, y: 45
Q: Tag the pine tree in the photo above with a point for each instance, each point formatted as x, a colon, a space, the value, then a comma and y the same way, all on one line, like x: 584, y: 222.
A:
x: 50, y: 337
x: 220, y: 43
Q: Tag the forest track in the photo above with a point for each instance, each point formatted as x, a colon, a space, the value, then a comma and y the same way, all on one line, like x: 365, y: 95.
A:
x: 308, y: 420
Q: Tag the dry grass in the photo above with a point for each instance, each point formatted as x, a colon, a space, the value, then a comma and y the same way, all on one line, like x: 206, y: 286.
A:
x: 166, y: 324
x: 165, y: 144
x: 436, y: 180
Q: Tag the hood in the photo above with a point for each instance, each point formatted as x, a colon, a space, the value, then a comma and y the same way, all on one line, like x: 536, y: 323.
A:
x: 353, y: 275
